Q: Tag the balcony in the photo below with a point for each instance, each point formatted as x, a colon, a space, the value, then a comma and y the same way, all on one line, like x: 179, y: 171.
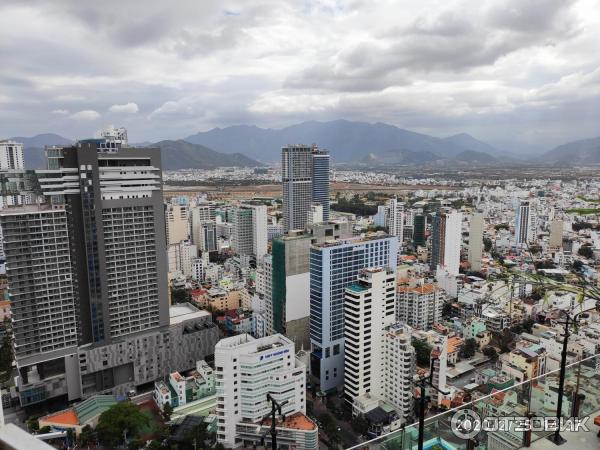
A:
x: 536, y: 397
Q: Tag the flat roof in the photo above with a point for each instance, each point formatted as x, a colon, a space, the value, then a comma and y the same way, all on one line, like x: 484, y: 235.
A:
x: 184, y: 311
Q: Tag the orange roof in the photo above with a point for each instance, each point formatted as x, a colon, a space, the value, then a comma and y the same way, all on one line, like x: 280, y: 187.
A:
x: 66, y: 417
x: 4, y: 303
x: 297, y: 421
x: 454, y: 343
x: 446, y: 402
x: 408, y: 257
x: 426, y: 288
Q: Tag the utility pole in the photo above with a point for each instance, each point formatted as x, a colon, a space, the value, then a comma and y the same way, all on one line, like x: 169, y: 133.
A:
x: 275, y: 411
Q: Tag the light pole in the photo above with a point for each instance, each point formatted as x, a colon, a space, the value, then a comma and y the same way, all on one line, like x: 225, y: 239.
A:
x: 423, y: 383
x: 569, y: 320
x: 275, y: 410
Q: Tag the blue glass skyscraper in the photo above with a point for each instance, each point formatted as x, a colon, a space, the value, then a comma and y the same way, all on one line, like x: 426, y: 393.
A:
x: 333, y: 267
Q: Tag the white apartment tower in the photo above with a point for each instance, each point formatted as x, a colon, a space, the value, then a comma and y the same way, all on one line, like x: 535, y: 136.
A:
x: 247, y: 369
x: 250, y: 234
x: 369, y: 307
x: 476, y: 240
x: 177, y: 220
x: 11, y: 155
x: 446, y: 241
x: 439, y: 354
x: 399, y: 367
x: 181, y: 257
x: 396, y: 218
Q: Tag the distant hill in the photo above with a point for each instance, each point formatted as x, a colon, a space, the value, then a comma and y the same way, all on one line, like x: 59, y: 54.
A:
x: 33, y: 148
x: 184, y: 155
x: 475, y: 156
x: 346, y: 141
x: 586, y: 151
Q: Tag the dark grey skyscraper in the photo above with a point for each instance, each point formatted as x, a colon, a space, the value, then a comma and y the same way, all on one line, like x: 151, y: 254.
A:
x: 305, y: 179
x: 86, y: 274
x: 116, y: 211
x: 320, y: 180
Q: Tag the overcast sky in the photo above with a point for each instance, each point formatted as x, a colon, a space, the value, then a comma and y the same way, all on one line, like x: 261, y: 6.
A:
x: 502, y: 70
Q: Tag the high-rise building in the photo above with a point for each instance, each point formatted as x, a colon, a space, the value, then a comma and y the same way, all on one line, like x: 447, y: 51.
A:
x: 115, y: 201
x: 439, y: 354
x: 526, y: 223
x: 446, y: 241
x: 177, y: 220
x: 208, y: 236
x: 399, y: 368
x: 420, y: 304
x: 476, y: 240
x: 200, y: 214
x: 11, y: 155
x: 320, y: 181
x: 556, y: 234
x: 333, y: 267
x: 264, y: 289
x: 94, y: 261
x: 247, y: 369
x: 250, y: 235
x: 369, y: 308
x: 290, y: 278
x: 396, y: 218
x: 419, y: 231
x: 305, y: 180
x: 181, y: 257
x: 315, y: 214
x: 260, y: 232
x: 296, y: 176
x: 39, y: 268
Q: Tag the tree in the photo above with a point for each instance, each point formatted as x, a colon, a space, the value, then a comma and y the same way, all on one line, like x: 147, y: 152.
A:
x: 180, y: 295
x: 120, y: 418
x: 33, y: 424
x: 422, y: 350
x: 487, y: 244
x: 198, y: 435
x: 446, y: 309
x: 167, y: 412
x: 6, y: 353
x: 501, y: 226
x: 360, y: 424
x: 469, y: 348
x: 586, y: 251
x: 86, y: 436
x: 45, y: 429
x: 490, y: 352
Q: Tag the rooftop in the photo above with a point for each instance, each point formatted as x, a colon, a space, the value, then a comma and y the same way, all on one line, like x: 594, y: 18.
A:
x: 184, y: 311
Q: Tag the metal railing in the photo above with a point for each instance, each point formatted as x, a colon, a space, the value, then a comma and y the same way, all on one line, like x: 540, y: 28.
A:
x: 537, y: 397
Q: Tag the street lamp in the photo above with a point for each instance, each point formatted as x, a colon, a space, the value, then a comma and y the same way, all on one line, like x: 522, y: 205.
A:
x: 423, y: 383
x: 275, y: 410
x: 569, y: 320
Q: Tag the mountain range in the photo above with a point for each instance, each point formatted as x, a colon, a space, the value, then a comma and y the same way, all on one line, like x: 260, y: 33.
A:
x: 351, y: 142
x: 346, y: 141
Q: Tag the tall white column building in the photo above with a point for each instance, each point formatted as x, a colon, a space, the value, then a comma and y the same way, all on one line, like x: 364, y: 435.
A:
x: 181, y: 257
x: 177, y: 220
x: 399, y: 368
x: 247, y: 369
x: 369, y: 307
x: 396, y: 218
x: 446, y: 241
x: 11, y: 155
x: 476, y: 240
